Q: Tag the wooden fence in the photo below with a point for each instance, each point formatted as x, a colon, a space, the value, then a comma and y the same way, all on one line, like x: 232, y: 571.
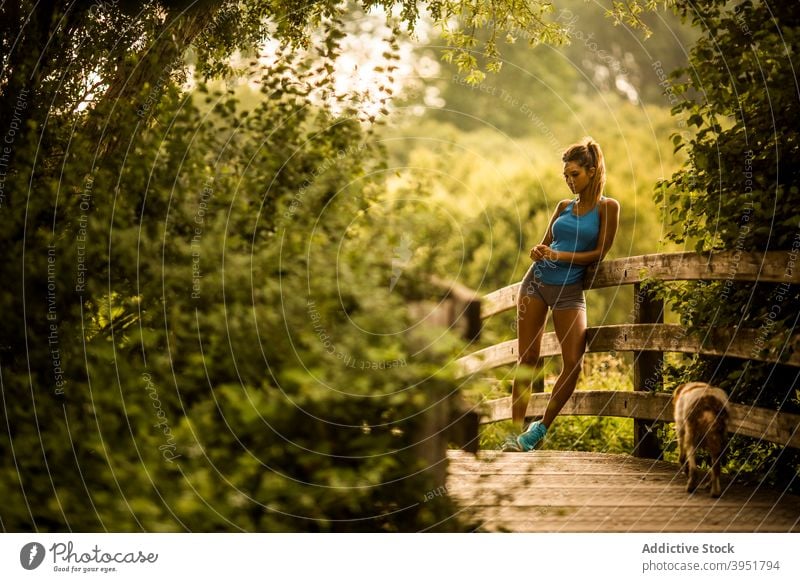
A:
x: 648, y: 338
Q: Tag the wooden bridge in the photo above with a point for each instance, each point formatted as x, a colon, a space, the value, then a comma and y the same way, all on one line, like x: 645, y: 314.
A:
x: 563, y: 491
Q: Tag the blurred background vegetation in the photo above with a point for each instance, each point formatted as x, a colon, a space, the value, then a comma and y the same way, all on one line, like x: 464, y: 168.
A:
x: 215, y: 214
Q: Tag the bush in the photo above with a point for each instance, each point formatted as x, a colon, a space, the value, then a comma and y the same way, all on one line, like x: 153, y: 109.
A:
x: 230, y: 356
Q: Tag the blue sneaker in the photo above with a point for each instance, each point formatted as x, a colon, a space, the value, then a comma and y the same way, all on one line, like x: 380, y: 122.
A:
x: 528, y: 440
x: 510, y: 445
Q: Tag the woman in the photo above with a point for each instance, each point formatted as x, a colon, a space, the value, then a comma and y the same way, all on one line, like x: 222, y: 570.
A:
x: 580, y: 233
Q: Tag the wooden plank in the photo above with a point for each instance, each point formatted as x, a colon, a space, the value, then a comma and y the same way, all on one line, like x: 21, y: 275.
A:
x: 455, y: 289
x: 502, y: 354
x: 782, y: 428
x: 661, y: 495
x: 770, y: 267
x: 763, y: 267
x: 717, y: 341
x: 585, y: 467
x: 500, y: 300
x: 535, y: 497
x: 622, y: 404
x: 660, y: 337
x: 621, y: 525
x: 564, y: 519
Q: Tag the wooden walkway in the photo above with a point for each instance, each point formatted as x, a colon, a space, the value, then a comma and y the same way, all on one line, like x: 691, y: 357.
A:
x: 561, y: 491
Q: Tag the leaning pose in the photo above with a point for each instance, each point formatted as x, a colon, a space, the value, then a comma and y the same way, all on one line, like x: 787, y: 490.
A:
x: 580, y: 233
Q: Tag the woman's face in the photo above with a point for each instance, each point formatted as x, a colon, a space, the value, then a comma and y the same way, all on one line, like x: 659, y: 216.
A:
x: 577, y: 177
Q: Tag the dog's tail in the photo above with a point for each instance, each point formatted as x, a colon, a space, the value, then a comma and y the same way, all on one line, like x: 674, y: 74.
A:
x: 711, y: 411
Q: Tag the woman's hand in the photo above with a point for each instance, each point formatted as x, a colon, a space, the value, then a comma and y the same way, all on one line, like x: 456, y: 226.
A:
x: 543, y: 253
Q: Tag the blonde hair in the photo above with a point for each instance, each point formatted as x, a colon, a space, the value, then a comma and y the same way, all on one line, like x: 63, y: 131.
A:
x: 588, y: 155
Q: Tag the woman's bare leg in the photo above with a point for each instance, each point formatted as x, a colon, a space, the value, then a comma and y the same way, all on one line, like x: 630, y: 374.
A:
x: 531, y: 319
x: 570, y: 325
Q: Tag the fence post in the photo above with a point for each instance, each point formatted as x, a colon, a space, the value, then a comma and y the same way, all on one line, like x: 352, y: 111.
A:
x: 464, y: 308
x: 647, y: 373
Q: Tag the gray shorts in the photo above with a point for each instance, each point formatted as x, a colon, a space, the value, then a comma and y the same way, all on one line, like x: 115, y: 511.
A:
x: 554, y: 296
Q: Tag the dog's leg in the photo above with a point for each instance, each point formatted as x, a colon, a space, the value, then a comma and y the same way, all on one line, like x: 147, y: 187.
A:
x: 716, y: 489
x: 681, y: 448
x: 719, y: 457
x: 693, y: 476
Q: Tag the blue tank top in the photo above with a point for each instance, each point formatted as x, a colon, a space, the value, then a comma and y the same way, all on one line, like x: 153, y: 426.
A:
x: 573, y: 234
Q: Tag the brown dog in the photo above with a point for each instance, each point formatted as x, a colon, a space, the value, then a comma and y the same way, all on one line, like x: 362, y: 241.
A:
x: 701, y: 419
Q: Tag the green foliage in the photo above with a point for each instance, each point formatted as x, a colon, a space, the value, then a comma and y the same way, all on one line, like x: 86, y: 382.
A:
x: 738, y: 192
x: 200, y: 332
x: 529, y: 19
x: 539, y: 89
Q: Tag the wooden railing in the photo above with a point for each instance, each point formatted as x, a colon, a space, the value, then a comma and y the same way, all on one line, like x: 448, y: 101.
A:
x: 648, y: 338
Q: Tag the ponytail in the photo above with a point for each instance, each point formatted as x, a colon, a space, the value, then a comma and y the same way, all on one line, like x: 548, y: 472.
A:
x: 599, y: 181
x: 589, y: 155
